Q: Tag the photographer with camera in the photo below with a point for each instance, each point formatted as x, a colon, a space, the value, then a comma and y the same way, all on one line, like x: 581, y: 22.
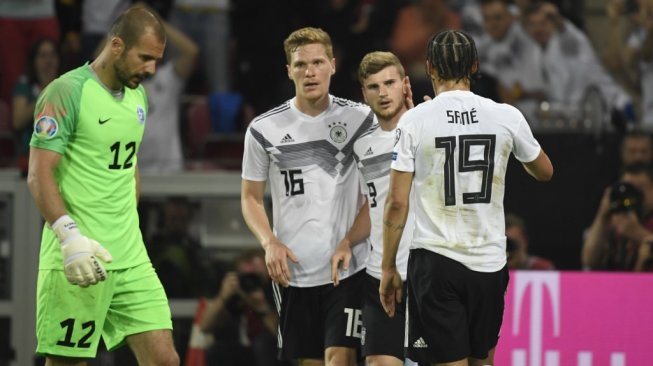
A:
x: 241, y: 317
x: 623, y: 226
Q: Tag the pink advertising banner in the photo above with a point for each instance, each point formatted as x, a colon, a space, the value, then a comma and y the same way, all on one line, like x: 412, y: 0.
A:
x: 577, y: 319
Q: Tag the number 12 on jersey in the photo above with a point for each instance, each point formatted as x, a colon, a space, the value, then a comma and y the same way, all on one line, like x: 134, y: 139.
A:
x: 485, y: 165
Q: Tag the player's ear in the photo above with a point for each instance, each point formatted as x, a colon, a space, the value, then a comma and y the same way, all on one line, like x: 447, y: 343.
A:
x: 117, y: 45
x: 288, y: 70
x: 475, y: 67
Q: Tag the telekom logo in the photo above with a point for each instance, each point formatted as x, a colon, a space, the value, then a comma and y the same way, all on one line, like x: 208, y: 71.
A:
x: 538, y: 282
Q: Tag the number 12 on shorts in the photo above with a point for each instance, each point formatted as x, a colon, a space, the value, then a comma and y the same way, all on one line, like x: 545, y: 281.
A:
x: 354, y: 322
x: 88, y: 328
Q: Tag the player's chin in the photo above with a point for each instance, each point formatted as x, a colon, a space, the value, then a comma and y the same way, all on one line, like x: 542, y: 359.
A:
x: 134, y: 83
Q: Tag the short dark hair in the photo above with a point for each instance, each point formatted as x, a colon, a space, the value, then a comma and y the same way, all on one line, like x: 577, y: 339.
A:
x: 134, y: 22
x: 452, y: 53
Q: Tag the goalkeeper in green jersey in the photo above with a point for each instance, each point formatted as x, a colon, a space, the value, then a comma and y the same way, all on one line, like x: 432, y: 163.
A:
x: 95, y: 278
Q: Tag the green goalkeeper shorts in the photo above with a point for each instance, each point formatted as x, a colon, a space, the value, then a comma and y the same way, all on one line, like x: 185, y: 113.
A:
x: 70, y: 319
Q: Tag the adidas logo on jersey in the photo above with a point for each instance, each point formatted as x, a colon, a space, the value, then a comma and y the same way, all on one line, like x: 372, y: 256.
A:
x: 419, y: 343
x: 286, y: 139
x: 369, y: 151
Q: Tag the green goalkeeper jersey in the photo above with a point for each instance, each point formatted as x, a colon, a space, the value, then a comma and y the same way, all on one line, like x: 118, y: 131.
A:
x: 98, y: 135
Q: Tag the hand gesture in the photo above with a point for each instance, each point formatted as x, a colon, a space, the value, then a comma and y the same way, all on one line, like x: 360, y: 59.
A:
x: 342, y: 254
x: 390, y: 290
x: 275, y: 260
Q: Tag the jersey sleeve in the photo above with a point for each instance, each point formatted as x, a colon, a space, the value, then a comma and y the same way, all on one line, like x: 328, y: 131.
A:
x: 525, y: 146
x: 55, y: 116
x: 359, y: 165
x: 255, y: 158
x: 403, y: 153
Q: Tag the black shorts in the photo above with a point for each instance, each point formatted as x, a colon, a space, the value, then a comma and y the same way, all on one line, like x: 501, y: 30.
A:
x: 453, y: 312
x: 382, y: 335
x: 311, y: 319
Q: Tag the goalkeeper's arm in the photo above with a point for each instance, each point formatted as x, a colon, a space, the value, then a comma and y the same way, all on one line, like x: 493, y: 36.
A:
x: 79, y: 252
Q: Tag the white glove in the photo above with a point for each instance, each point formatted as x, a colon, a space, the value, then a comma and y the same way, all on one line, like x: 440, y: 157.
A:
x: 79, y: 254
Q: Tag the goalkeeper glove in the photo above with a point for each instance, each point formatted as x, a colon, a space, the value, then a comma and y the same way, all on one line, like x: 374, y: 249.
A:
x: 79, y: 254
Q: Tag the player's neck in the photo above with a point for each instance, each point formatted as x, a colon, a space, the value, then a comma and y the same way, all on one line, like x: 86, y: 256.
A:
x: 442, y: 86
x: 312, y: 107
x: 105, y: 72
x: 391, y: 123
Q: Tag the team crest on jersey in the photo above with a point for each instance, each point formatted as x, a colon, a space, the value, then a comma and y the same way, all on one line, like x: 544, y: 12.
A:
x: 140, y: 113
x: 46, y: 128
x: 398, y: 135
x: 338, y: 133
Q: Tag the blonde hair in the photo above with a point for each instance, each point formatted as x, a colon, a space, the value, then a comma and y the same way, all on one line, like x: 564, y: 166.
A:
x: 376, y: 61
x: 306, y: 36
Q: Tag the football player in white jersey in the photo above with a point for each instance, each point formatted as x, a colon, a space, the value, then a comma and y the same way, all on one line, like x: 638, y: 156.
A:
x: 304, y: 148
x: 454, y: 149
x: 386, y: 90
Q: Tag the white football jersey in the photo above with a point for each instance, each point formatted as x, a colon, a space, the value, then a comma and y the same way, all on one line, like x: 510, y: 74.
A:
x: 458, y: 145
x: 309, y: 162
x: 373, y: 153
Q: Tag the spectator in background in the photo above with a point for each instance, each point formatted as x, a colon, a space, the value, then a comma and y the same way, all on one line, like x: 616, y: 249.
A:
x: 416, y: 23
x: 22, y: 23
x: 570, y: 67
x: 97, y: 16
x: 636, y: 147
x: 632, y: 59
x: 623, y: 222
x: 507, y: 53
x: 161, y: 150
x: 43, y: 66
x: 517, y: 247
x: 207, y: 23
x: 176, y: 253
x: 242, y: 317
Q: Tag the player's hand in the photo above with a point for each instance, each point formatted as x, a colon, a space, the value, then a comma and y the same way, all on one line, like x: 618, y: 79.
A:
x: 80, y: 254
x: 342, y: 254
x: 408, y: 94
x: 390, y: 290
x: 275, y: 260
